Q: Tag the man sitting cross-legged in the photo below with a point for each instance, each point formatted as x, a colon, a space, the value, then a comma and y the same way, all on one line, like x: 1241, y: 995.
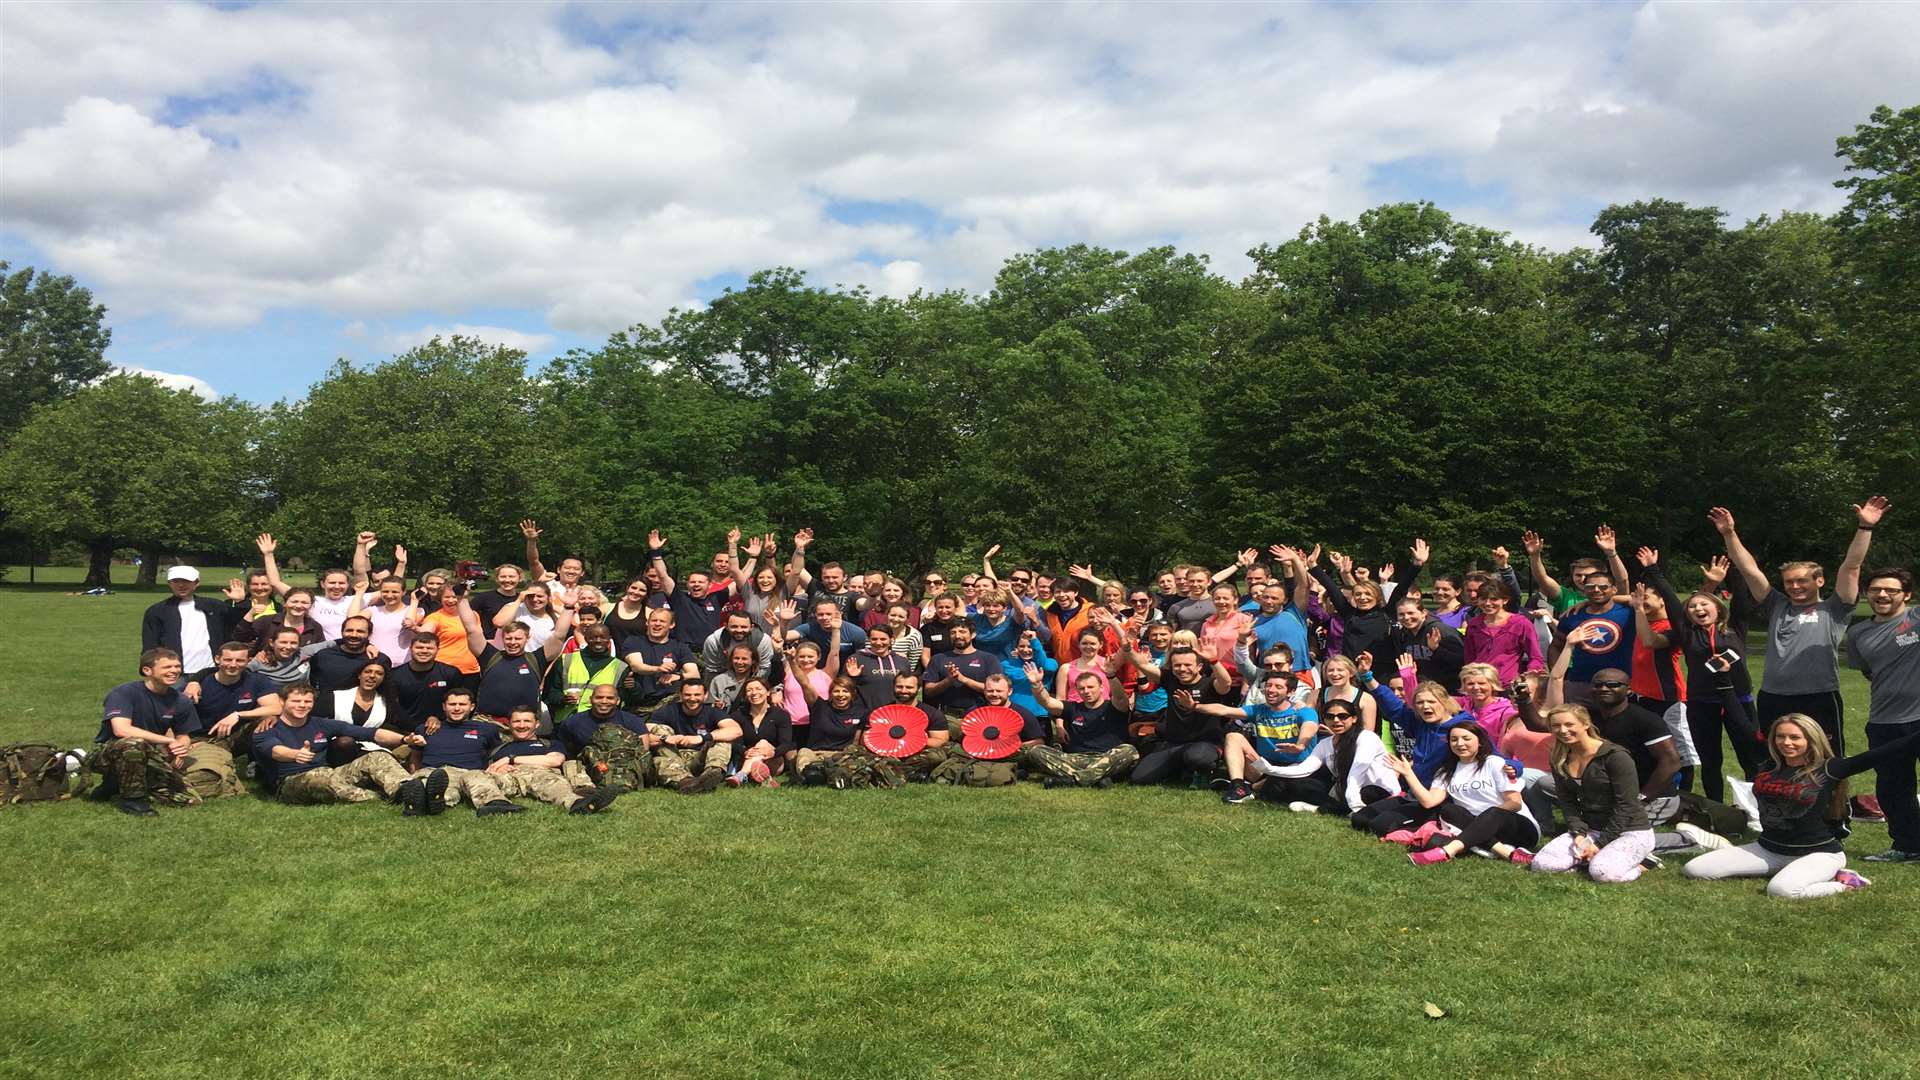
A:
x: 292, y: 756
x: 529, y: 766
x: 1093, y: 731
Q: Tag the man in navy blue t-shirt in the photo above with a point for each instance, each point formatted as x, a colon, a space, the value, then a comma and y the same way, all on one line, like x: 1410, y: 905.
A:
x: 143, y: 737
x: 453, y: 762
x: 1092, y: 731
x: 528, y: 766
x: 292, y: 755
x: 232, y: 699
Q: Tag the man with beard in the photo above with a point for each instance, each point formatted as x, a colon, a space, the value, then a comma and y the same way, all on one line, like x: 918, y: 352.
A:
x: 336, y: 666
x: 1189, y: 739
x: 696, y: 610
x: 957, y: 678
x: 737, y: 630
x: 906, y: 691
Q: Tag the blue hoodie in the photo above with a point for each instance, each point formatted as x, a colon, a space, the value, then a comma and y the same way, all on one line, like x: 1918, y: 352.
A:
x: 1429, y: 740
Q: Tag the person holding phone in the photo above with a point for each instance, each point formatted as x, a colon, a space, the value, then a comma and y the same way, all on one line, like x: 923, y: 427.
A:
x: 1719, y: 692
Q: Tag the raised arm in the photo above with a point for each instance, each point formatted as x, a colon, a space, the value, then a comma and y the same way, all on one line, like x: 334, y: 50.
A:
x: 361, y: 566
x: 531, y: 530
x: 476, y: 636
x: 798, y: 579
x: 986, y: 562
x: 1867, y: 516
x: 562, y: 633
x: 1757, y: 585
x: 743, y: 572
x: 1536, y: 561
x: 657, y: 555
x: 359, y: 602
x: 1299, y: 562
x: 1335, y: 593
x: 267, y: 545
x: 399, y: 566
x: 1085, y: 573
x: 1240, y: 562
x: 1038, y: 680
x: 1608, y: 542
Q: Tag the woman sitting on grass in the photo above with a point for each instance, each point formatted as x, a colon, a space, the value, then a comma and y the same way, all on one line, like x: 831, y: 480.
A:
x: 1356, y: 760
x: 1427, y: 723
x: 1479, y: 696
x: 1477, y: 794
x: 1799, y: 787
x: 1599, y: 793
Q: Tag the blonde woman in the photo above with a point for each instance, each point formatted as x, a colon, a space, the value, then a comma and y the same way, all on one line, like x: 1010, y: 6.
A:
x: 1599, y: 792
x: 1337, y: 683
x: 1800, y: 787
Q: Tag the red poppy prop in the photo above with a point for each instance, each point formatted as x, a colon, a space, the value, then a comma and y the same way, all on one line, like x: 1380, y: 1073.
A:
x: 991, y: 732
x: 896, y: 731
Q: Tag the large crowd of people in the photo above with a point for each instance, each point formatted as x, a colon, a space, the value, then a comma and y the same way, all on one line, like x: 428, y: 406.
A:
x: 1568, y: 727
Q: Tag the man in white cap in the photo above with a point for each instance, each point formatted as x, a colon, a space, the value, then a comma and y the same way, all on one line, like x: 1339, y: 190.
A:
x: 190, y: 625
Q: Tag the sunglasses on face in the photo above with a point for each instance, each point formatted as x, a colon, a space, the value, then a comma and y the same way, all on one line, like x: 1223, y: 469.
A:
x: 1339, y: 716
x: 1608, y: 685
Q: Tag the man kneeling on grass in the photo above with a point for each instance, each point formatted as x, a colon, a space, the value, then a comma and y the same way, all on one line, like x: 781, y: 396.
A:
x: 453, y: 761
x: 292, y: 756
x: 529, y: 766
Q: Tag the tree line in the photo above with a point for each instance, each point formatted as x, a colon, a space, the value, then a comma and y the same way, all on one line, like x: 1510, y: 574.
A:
x: 1401, y: 374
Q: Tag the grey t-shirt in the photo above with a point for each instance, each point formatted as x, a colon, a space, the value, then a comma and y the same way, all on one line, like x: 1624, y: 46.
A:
x: 1189, y: 614
x: 1889, y: 653
x: 1803, y: 644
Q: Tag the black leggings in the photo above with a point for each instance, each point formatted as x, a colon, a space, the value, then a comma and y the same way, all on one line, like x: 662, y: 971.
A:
x: 1393, y: 813
x: 1489, y: 827
x: 1828, y: 709
x: 1705, y: 720
x: 1174, y: 758
x: 1316, y: 788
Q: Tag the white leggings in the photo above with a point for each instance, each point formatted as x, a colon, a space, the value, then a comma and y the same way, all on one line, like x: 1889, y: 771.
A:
x: 1793, y: 877
x: 1617, y: 862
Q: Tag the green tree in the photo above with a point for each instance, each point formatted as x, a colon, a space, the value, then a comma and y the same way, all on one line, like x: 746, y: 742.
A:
x: 53, y: 341
x: 440, y: 448
x: 128, y: 462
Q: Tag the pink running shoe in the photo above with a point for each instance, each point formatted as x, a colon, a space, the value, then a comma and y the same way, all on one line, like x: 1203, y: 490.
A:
x: 1399, y: 836
x: 758, y: 772
x: 1851, y: 880
x: 1521, y: 856
x: 1429, y: 856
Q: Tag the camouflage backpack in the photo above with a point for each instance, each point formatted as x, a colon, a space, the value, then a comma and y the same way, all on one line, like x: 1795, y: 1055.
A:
x: 874, y: 772
x: 36, y: 772
x: 209, y: 773
x: 617, y: 758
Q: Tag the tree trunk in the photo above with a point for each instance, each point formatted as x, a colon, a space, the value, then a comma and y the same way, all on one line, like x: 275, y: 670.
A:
x: 149, y: 564
x: 99, y: 564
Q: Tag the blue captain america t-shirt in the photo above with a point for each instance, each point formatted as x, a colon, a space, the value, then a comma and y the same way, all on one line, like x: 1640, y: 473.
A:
x: 1613, y: 649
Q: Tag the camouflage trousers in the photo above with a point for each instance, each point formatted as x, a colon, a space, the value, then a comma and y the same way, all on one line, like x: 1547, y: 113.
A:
x: 864, y: 769
x: 354, y: 782
x: 537, y: 782
x: 924, y: 761
x: 1084, y: 770
x: 672, y: 764
x: 142, y: 770
x: 575, y: 774
x: 473, y: 785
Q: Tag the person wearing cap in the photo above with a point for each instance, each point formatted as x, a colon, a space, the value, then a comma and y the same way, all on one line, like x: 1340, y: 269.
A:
x: 187, y: 624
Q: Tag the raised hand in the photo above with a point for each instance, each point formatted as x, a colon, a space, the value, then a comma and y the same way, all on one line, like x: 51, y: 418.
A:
x: 1084, y: 571
x: 1386, y: 572
x: 365, y: 538
x: 1243, y: 624
x: 1247, y: 558
x: 733, y: 536
x: 801, y: 539
x: 1647, y: 556
x: 1283, y: 552
x: 772, y: 544
x: 1405, y: 661
x: 755, y: 546
x: 1033, y: 672
x: 266, y: 543
x: 1519, y: 690
x: 399, y: 554
x: 1364, y: 661
x: 992, y: 551
x: 1870, y: 512
x: 1722, y: 519
x: 655, y: 541
x: 1433, y: 637
x: 1205, y: 650
x: 1312, y: 558
x: 236, y: 590
x: 1501, y: 558
x: 529, y: 529
x: 1531, y: 541
x: 1605, y: 540
x: 1420, y: 551
x: 1715, y: 571
x: 787, y: 612
x: 852, y: 667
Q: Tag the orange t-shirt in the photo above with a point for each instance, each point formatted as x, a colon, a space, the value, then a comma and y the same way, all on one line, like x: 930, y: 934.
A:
x: 453, y: 641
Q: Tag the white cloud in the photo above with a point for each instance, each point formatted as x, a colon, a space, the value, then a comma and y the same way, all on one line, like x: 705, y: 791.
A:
x: 174, y: 380
x: 380, y: 162
x: 399, y: 341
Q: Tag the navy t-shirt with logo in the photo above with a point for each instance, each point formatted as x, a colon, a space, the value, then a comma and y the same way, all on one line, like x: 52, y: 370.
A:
x: 673, y: 716
x: 509, y: 682
x: 313, y: 735
x: 219, y: 701
x: 148, y: 711
x: 419, y: 694
x: 528, y: 748
x: 1095, y: 731
x: 465, y: 745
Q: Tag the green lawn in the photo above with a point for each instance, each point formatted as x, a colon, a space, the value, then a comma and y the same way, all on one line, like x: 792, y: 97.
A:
x: 926, y: 931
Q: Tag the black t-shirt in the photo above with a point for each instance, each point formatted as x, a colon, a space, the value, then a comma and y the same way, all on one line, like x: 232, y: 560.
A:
x: 1030, y: 729
x: 654, y: 653
x: 776, y: 727
x: 157, y: 713
x: 1637, y: 731
x: 936, y: 637
x: 1095, y: 731
x: 509, y: 682
x: 843, y: 600
x: 419, y: 694
x: 461, y: 746
x: 835, y: 729
x: 694, y: 621
x: 488, y: 604
x: 219, y: 701
x: 1191, y: 725
x: 674, y: 716
x: 875, y: 684
x: 334, y: 668
x: 527, y: 748
x: 975, y: 665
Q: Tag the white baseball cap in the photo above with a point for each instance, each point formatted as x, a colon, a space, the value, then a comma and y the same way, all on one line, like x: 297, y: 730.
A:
x: 182, y: 573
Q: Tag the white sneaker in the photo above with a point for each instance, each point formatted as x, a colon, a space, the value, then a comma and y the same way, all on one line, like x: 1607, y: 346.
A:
x: 1701, y: 838
x: 1303, y: 808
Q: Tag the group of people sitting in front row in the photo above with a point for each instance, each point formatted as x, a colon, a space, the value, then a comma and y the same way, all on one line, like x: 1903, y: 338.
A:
x: 1461, y: 728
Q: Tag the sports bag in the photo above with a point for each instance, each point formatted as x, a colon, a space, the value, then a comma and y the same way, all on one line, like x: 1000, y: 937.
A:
x: 35, y: 772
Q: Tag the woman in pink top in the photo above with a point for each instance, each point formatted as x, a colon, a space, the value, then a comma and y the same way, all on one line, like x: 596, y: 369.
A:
x: 1086, y: 661
x: 805, y: 684
x: 1498, y: 637
x: 1224, y: 627
x: 1498, y: 716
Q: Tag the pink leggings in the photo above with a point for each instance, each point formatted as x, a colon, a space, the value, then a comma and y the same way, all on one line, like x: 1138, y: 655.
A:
x: 1617, y: 862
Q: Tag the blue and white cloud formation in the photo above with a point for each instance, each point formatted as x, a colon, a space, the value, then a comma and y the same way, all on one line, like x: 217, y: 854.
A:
x: 256, y: 190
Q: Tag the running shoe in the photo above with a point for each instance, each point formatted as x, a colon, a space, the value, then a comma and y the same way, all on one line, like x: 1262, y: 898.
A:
x: 1238, y: 792
x: 1429, y: 856
x: 1895, y: 855
x: 1851, y: 880
x: 1701, y: 838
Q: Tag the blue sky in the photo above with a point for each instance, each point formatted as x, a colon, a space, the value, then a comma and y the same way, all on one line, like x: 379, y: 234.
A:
x: 258, y: 190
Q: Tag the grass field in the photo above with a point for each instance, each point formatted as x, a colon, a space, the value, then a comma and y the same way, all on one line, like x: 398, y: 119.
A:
x: 920, y: 932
